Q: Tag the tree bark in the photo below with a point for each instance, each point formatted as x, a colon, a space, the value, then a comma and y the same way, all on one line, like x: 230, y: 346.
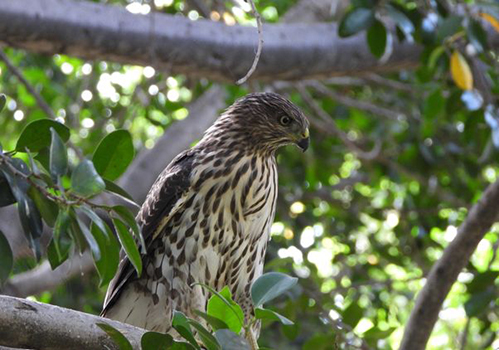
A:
x: 446, y: 270
x: 33, y: 325
x: 196, y: 48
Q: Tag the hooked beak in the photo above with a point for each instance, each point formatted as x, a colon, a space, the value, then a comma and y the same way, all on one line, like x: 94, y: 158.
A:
x: 304, y: 141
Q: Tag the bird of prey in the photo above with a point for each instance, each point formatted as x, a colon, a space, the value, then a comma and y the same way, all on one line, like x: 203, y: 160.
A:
x: 207, y: 217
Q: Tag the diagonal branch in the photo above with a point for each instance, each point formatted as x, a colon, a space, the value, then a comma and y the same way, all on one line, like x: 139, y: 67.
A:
x: 445, y: 271
x: 19, y: 75
x: 351, y: 102
x: 33, y: 325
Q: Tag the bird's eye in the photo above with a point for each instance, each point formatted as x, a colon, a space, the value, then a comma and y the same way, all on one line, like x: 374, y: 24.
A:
x: 285, y: 120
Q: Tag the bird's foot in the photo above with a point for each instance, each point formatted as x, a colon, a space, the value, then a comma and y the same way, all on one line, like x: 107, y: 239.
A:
x: 252, y: 340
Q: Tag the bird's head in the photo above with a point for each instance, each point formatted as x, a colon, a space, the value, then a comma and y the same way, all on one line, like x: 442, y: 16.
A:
x: 269, y: 120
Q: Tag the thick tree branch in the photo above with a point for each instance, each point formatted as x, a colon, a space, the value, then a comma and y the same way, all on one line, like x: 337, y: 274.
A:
x: 445, y: 271
x: 33, y: 325
x: 195, y: 48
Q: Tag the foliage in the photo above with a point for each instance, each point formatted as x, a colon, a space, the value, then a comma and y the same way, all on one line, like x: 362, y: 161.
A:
x: 224, y: 318
x: 360, y: 229
x: 61, y: 195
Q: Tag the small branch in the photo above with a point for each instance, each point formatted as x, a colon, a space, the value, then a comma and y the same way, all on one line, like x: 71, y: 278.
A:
x: 391, y: 84
x: 351, y: 102
x: 39, y: 99
x: 464, y: 335
x: 331, y: 127
x: 61, y: 199
x: 44, y: 106
x: 445, y: 271
x: 260, y: 43
x: 33, y: 325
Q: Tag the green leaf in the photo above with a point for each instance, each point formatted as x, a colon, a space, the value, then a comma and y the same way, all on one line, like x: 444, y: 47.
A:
x: 113, y: 155
x: 269, y: 286
x: 266, y: 314
x: 6, y: 196
x: 448, y: 27
x: 116, y: 335
x: 61, y: 241
x: 226, y: 310
x: 43, y: 157
x: 376, y: 334
x: 3, y: 100
x: 477, y: 35
x: 354, y: 21
x: 58, y: 163
x: 231, y: 341
x: 75, y: 232
x: 402, y: 21
x: 320, y: 342
x: 478, y: 302
x: 54, y: 258
x: 96, y: 220
x: 482, y: 281
x: 30, y: 218
x: 129, y: 219
x: 120, y: 192
x: 128, y: 244
x: 209, y: 341
x: 181, y: 325
x: 6, y: 259
x: 108, y: 263
x: 214, y: 322
x: 92, y: 242
x: 156, y: 341
x: 352, y: 314
x: 85, y: 180
x: 434, y: 56
x: 376, y: 39
x: 48, y: 209
x: 36, y: 135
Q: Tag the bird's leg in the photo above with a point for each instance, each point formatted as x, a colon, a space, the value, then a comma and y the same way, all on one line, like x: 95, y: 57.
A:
x: 251, y: 340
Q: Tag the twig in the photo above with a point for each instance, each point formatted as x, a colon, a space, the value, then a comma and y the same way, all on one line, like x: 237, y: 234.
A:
x: 389, y: 83
x: 464, y: 335
x: 446, y: 270
x: 335, y: 130
x: 351, y: 102
x: 39, y: 99
x: 260, y: 43
x: 62, y: 200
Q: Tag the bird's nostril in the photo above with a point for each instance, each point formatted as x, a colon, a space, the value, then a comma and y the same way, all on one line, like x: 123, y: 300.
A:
x: 305, y: 134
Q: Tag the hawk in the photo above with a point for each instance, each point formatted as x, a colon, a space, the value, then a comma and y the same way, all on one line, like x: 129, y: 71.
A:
x: 207, y: 217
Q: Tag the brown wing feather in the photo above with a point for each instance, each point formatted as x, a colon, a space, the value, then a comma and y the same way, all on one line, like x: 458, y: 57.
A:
x: 163, y: 200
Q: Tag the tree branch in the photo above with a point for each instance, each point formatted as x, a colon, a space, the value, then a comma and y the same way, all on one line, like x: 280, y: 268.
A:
x: 445, y: 271
x: 196, y: 48
x: 33, y: 325
x: 260, y: 44
x: 39, y: 99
